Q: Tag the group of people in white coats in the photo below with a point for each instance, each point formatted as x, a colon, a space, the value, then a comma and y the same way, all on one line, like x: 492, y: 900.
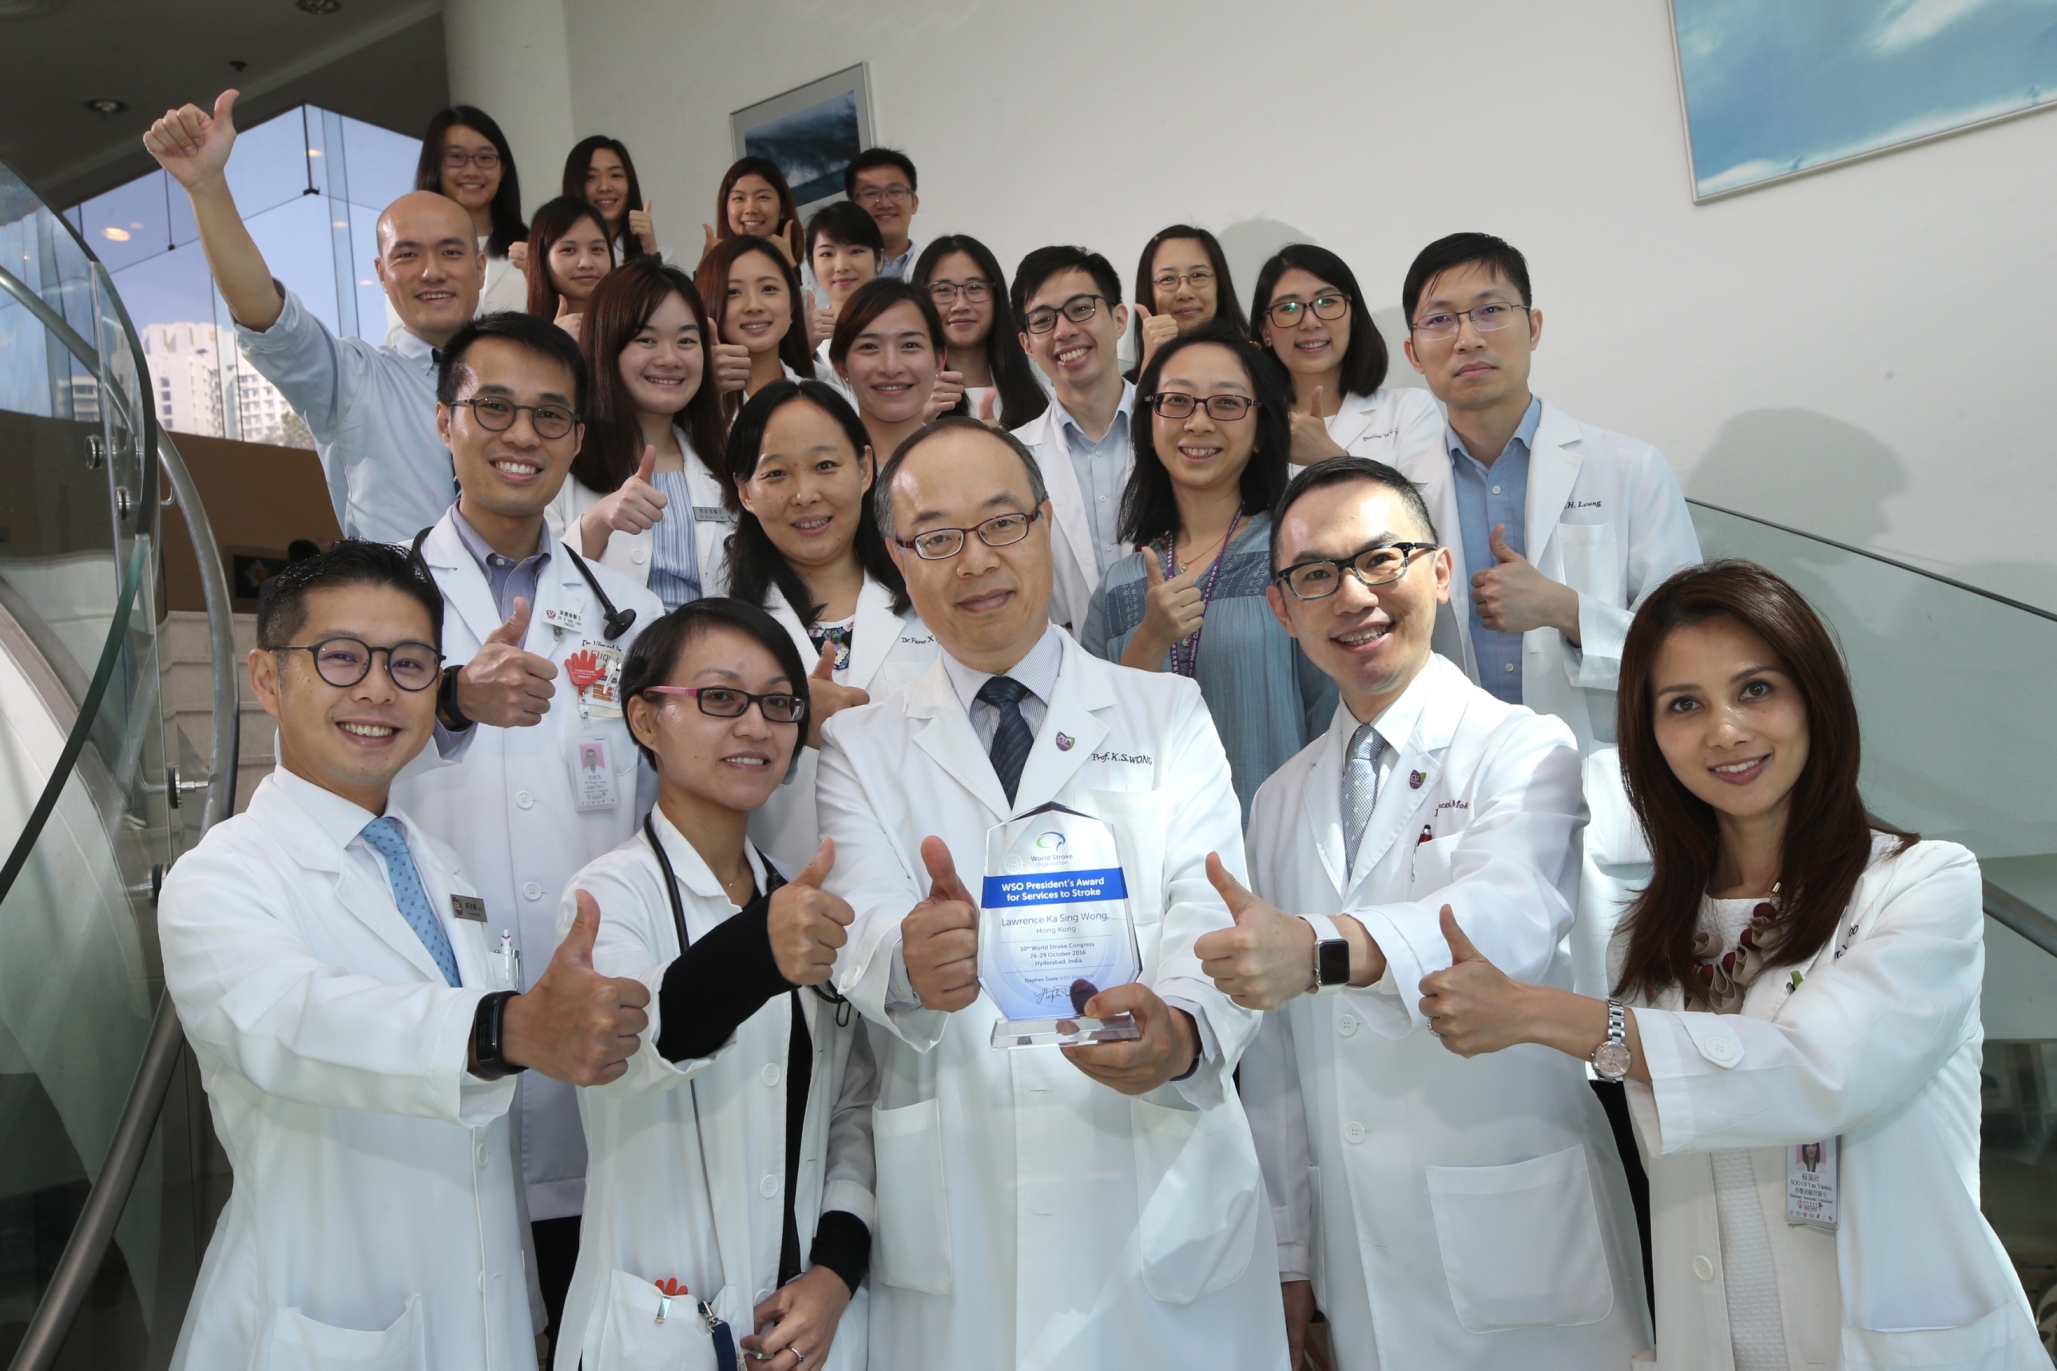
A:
x: 602, y: 960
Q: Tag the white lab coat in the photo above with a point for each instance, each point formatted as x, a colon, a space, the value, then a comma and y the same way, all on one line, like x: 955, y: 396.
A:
x: 887, y: 650
x: 1075, y: 562
x: 1878, y: 1046
x: 628, y: 554
x: 647, y: 1212
x: 374, y: 1221
x: 503, y: 800
x: 1030, y: 1217
x: 1451, y: 1213
x: 1397, y: 425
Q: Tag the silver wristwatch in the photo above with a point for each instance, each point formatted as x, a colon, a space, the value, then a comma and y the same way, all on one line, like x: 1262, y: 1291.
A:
x: 1331, y: 970
x: 1611, y: 1058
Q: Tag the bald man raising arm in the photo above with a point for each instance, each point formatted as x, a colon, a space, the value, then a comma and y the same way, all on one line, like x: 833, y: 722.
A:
x: 372, y: 410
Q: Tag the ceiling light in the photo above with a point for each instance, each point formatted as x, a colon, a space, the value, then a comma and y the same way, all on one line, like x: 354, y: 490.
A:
x: 116, y: 235
x: 106, y: 105
x: 321, y: 6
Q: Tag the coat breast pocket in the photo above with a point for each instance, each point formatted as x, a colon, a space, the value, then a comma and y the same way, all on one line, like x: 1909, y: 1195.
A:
x: 1197, y: 1172
x: 636, y: 1329
x: 1430, y: 868
x: 913, y: 1239
x: 298, y: 1343
x: 1592, y: 561
x: 1521, y: 1243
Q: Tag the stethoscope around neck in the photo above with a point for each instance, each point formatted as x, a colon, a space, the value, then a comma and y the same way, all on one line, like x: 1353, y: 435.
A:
x: 772, y: 881
x: 615, y: 621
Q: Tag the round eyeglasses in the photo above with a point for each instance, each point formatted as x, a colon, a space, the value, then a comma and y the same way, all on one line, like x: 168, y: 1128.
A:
x: 497, y: 416
x: 726, y: 702
x: 346, y: 661
x: 1176, y: 404
x: 1078, y: 309
x: 1484, y: 318
x: 1327, y: 306
x: 1381, y: 564
x: 1002, y: 530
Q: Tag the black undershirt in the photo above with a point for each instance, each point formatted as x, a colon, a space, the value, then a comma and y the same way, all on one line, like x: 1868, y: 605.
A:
x: 708, y: 992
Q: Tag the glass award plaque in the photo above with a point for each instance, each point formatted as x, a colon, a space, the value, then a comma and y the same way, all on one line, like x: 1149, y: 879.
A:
x: 1055, y: 929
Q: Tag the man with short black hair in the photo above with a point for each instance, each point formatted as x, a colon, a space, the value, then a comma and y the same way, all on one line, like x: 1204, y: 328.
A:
x: 356, y: 1024
x: 1428, y: 804
x: 882, y: 181
x: 1068, y: 302
x: 371, y: 409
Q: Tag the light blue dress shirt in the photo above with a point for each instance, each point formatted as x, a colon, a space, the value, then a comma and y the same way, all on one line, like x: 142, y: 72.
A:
x: 898, y: 267
x: 1489, y: 495
x: 372, y: 411
x: 1103, y: 471
x: 506, y: 577
x: 674, y: 543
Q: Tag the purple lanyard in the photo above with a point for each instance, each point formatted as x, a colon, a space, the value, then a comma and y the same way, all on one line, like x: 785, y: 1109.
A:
x: 1185, y: 656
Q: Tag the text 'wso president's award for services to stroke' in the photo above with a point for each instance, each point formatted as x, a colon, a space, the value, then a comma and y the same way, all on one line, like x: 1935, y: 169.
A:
x: 1055, y: 929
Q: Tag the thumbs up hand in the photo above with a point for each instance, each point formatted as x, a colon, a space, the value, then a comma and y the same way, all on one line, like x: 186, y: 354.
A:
x: 1157, y: 330
x: 575, y: 1024
x: 1511, y: 596
x: 637, y: 506
x: 825, y: 698
x: 569, y: 319
x: 1172, y: 609
x: 989, y: 406
x: 1472, y: 1005
x: 1265, y: 957
x: 1311, y: 441
x: 644, y: 227
x: 939, y: 937
x: 821, y: 320
x: 807, y: 924
x: 712, y: 239
x: 192, y: 144
x: 731, y: 370
x: 504, y: 684
x: 944, y: 395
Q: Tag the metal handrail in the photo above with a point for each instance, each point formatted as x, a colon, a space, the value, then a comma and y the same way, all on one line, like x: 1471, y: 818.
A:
x: 2005, y: 907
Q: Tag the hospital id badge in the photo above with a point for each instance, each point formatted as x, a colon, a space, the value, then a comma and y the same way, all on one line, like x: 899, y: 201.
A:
x: 595, y: 672
x: 1055, y: 929
x: 1811, y: 1184
x: 594, y: 784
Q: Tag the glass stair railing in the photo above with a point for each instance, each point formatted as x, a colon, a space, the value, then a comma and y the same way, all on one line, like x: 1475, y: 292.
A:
x: 1950, y: 682
x: 104, y: 1210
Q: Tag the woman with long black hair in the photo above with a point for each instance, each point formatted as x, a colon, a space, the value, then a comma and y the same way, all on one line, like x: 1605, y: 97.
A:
x: 1184, y: 275
x: 983, y: 340
x: 599, y: 171
x: 568, y: 258
x: 752, y: 294
x: 1795, y: 1010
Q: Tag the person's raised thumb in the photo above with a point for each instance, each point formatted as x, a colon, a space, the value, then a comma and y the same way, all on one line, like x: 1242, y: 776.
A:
x: 225, y: 109
x: 1232, y: 891
x: 708, y: 229
x: 1314, y: 404
x: 1142, y: 314
x: 515, y: 629
x: 1499, y: 544
x: 825, y: 665
x: 1153, y: 570
x: 817, y: 871
x: 942, y: 868
x: 1461, y: 949
x: 812, y: 308
x: 577, y: 948
x: 648, y: 205
x: 563, y: 308
x: 987, y: 406
x: 648, y: 466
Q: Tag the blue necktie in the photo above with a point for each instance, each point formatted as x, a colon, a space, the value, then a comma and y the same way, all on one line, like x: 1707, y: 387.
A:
x: 1012, y: 739
x: 1360, y: 789
x: 387, y: 839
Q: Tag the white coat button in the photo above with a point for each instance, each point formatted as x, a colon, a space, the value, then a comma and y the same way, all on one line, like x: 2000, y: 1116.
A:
x: 1723, y: 1049
x: 640, y: 556
x: 1346, y: 1025
x: 770, y: 1075
x: 768, y: 1187
x: 482, y: 1157
x: 1496, y: 490
x: 1353, y: 1131
x: 531, y: 891
x: 1703, y: 1268
x: 524, y: 799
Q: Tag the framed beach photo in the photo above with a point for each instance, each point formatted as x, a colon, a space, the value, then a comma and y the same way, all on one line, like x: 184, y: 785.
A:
x: 812, y: 132
x: 1773, y: 89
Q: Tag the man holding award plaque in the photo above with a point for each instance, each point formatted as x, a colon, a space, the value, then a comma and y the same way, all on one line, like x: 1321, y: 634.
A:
x: 1065, y: 1176
x: 1460, y: 1214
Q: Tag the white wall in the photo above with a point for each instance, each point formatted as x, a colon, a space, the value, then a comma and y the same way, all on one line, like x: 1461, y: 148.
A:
x: 509, y: 58
x: 1858, y: 353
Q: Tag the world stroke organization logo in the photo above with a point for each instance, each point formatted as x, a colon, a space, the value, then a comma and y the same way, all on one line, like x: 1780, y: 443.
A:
x: 1048, y: 852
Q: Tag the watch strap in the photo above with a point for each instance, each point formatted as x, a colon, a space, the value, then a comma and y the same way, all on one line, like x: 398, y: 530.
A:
x: 454, y: 719
x: 488, y: 1048
x: 1325, y: 932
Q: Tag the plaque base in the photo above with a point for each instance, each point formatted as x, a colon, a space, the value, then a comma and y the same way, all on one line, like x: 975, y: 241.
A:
x: 1076, y: 1031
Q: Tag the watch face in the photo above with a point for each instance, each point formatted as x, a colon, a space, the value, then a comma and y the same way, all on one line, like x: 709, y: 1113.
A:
x: 1610, y: 1060
x: 1334, y: 963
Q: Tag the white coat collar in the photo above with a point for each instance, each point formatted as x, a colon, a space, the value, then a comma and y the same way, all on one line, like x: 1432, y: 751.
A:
x: 1072, y: 728
x: 1037, y: 670
x: 1355, y: 415
x: 465, y: 588
x: 872, y: 637
x: 1552, y: 471
x: 692, y: 870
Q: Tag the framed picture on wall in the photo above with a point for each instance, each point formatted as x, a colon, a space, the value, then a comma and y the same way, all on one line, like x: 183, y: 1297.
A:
x: 249, y: 568
x: 1773, y: 89
x: 812, y: 132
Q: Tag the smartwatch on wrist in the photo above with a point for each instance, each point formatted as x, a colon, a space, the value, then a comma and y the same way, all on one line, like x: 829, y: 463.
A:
x: 453, y: 718
x: 487, y: 1049
x: 1611, y: 1058
x: 1331, y: 955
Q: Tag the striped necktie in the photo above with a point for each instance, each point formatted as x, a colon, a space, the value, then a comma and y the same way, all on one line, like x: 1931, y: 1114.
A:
x: 1012, y: 739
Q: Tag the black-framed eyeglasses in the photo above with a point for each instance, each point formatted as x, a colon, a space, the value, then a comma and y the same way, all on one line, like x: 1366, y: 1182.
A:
x: 496, y: 415
x: 1381, y: 564
x: 456, y: 158
x: 726, y: 702
x: 1176, y: 404
x: 1172, y: 280
x: 873, y: 195
x: 1078, y: 309
x: 346, y: 661
x: 1484, y: 318
x: 1327, y: 306
x: 973, y: 288
x: 1002, y: 530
